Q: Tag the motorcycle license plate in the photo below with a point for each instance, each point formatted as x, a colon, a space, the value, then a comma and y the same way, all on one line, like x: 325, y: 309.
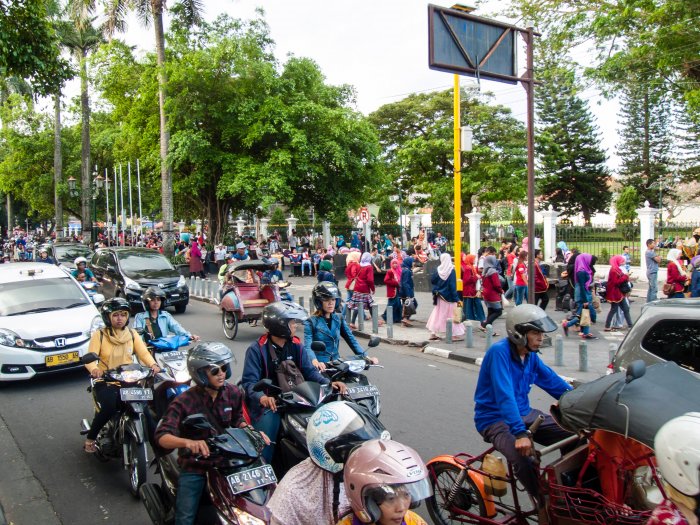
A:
x: 173, y: 356
x: 62, y: 359
x: 362, y: 391
x: 136, y: 394
x: 251, y: 479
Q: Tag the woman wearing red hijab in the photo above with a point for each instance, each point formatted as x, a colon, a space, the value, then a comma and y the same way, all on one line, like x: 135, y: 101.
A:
x: 613, y: 294
x: 473, y: 309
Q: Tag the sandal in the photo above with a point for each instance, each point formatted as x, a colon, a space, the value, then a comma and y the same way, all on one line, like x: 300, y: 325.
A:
x: 433, y: 337
x: 90, y: 446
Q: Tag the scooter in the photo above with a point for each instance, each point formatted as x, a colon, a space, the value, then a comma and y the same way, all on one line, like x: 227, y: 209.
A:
x: 91, y: 287
x: 174, y: 377
x: 125, y: 434
x: 239, y: 484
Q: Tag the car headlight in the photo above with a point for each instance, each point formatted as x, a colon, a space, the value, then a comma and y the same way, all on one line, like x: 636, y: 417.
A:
x: 95, y: 325
x: 182, y: 281
x: 131, y: 285
x: 246, y: 519
x: 9, y: 338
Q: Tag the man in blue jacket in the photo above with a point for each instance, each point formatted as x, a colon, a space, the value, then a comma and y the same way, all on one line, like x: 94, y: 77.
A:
x: 263, y: 357
x: 502, y: 413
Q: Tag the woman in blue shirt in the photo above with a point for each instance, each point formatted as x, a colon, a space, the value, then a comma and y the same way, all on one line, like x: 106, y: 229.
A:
x: 156, y: 322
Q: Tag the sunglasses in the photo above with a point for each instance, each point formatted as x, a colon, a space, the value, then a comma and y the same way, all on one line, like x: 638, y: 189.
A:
x: 216, y: 370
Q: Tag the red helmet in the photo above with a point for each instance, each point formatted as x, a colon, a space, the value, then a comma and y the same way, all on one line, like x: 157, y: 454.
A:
x: 379, y: 470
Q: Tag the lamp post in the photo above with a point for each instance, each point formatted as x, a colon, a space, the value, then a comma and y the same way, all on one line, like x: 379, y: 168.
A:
x: 97, y: 184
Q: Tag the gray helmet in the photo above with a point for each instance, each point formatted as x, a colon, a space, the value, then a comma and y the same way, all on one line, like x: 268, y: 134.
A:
x: 323, y: 291
x: 276, y: 317
x: 151, y: 293
x: 204, y: 356
x: 524, y: 318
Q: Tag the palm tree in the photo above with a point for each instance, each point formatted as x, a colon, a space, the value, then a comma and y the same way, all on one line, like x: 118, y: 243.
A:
x: 151, y: 11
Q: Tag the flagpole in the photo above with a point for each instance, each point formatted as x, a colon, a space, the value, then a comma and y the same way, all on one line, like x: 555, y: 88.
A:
x: 138, y: 185
x: 116, y: 205
x: 131, y: 207
x: 109, y: 227
x: 121, y: 199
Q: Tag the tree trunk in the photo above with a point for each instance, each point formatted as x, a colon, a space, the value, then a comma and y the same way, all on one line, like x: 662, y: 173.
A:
x: 9, y: 215
x: 57, y: 165
x: 85, y: 189
x: 165, y: 171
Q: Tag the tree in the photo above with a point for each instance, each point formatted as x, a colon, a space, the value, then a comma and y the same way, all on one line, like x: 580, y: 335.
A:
x: 416, y: 138
x: 189, y: 13
x: 626, y: 204
x: 278, y: 216
x: 573, y: 176
x: 387, y: 213
x: 646, y: 138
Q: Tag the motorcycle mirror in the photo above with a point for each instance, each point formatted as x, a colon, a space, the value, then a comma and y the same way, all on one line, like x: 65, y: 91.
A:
x: 635, y: 370
x: 373, y: 341
x: 98, y: 298
x: 318, y: 346
x: 267, y: 386
x: 88, y: 358
x: 197, y: 421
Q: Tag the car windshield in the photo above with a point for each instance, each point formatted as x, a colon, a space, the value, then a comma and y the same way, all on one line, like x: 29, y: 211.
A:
x: 675, y: 340
x: 140, y: 261
x: 71, y: 253
x: 40, y: 295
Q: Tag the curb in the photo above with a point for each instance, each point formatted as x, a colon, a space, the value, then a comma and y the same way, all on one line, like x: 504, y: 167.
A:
x: 22, y: 497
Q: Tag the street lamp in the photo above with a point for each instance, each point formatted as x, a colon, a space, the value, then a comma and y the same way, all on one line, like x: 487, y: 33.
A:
x: 97, y: 184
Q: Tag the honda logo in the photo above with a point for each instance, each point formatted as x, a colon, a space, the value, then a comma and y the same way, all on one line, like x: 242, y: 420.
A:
x: 60, y: 342
x: 161, y: 285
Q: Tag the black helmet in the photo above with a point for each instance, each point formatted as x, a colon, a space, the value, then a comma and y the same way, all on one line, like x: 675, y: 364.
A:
x: 151, y: 293
x: 110, y: 306
x: 276, y: 317
x: 204, y: 356
x: 524, y: 318
x: 323, y: 291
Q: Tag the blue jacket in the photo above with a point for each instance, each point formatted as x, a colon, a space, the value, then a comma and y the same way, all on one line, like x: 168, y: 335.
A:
x: 446, y: 288
x: 324, y: 275
x: 166, y: 322
x: 504, y: 384
x: 316, y: 329
x: 695, y: 283
x: 256, y: 367
x: 406, y: 288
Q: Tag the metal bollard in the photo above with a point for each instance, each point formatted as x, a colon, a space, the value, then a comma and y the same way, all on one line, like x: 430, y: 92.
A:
x: 558, y: 350
x: 361, y: 317
x: 197, y: 286
x: 390, y: 323
x: 348, y: 315
x: 583, y: 356
x: 612, y: 350
x: 190, y: 284
x: 375, y: 318
x: 489, y: 336
x: 469, y: 335
x: 214, y: 289
x: 205, y: 288
x: 448, y: 331
x: 301, y: 301
x: 312, y: 306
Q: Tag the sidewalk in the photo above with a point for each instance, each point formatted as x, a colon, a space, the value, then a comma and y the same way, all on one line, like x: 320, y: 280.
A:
x: 598, y: 350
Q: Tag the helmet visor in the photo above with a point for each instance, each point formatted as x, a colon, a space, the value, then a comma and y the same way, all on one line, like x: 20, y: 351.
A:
x: 541, y: 325
x: 411, y: 493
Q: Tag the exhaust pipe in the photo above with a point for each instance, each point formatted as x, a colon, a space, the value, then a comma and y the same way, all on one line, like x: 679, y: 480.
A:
x: 84, y: 427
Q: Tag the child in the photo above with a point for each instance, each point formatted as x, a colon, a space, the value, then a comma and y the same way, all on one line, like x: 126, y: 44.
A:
x: 81, y: 277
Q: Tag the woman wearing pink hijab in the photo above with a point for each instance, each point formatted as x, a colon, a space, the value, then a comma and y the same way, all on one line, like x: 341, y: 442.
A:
x: 392, y: 279
x: 614, y: 294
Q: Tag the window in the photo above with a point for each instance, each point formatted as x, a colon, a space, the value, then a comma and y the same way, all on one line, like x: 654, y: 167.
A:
x: 675, y: 340
x: 71, y: 253
x: 40, y: 295
x: 134, y: 262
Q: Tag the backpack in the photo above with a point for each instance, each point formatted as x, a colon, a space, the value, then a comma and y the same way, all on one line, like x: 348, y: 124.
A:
x: 286, y: 370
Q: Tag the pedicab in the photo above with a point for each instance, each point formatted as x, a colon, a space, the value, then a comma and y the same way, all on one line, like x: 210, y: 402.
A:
x: 244, y: 296
x: 607, y: 477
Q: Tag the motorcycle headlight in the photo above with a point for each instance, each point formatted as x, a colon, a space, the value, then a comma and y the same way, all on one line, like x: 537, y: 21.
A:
x: 131, y: 376
x: 246, y: 519
x: 182, y: 281
x: 9, y: 338
x: 129, y: 284
x: 95, y: 325
x: 297, y: 426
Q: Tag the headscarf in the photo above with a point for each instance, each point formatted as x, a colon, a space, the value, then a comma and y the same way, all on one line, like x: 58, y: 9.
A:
x: 325, y: 265
x: 396, y: 268
x: 341, y: 241
x: 331, y: 250
x: 352, y: 257
x: 491, y: 265
x: 672, y: 256
x: 366, y: 259
x: 387, y: 242
x: 583, y: 263
x: 445, y: 267
x: 468, y: 260
x: 407, y: 264
x: 695, y: 261
x: 616, y: 261
x: 563, y: 247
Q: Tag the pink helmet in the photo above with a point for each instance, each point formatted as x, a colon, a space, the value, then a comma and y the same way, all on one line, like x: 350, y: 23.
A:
x: 381, y: 469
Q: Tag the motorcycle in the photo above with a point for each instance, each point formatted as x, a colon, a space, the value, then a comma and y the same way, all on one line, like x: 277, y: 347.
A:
x: 125, y: 434
x: 360, y: 390
x: 174, y: 377
x: 237, y: 489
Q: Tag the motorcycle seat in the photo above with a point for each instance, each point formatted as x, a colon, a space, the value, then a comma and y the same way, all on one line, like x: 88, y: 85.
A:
x: 255, y: 302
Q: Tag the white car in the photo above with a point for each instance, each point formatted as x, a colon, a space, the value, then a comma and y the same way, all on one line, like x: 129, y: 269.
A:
x: 46, y: 320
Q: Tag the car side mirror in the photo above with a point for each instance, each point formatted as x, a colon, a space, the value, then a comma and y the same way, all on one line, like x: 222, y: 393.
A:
x: 197, y: 421
x: 88, y: 358
x: 373, y: 341
x: 318, y: 346
x: 98, y: 298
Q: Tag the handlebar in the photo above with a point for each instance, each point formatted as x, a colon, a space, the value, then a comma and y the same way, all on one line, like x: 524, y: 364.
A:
x: 535, y: 425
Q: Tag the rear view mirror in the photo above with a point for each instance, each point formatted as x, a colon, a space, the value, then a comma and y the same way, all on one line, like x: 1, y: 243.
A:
x: 197, y: 421
x: 88, y: 358
x: 373, y: 341
x: 266, y: 386
x: 635, y: 370
x: 98, y: 298
x: 318, y: 346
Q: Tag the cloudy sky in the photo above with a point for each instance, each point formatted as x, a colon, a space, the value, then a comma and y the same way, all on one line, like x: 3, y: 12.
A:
x: 378, y: 46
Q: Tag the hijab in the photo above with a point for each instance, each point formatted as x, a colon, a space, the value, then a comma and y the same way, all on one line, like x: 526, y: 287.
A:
x: 584, y: 263
x: 695, y: 261
x: 407, y: 264
x: 396, y: 268
x: 672, y: 256
x: 491, y: 265
x: 445, y: 267
x: 616, y: 261
x: 353, y: 257
x: 468, y: 260
x: 326, y: 266
x: 366, y: 259
x: 563, y: 247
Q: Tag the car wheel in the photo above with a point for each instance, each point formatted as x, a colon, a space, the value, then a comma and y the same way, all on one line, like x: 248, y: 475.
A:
x: 180, y: 308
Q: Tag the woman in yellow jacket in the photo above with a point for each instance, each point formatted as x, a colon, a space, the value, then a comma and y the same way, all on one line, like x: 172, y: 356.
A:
x: 114, y: 344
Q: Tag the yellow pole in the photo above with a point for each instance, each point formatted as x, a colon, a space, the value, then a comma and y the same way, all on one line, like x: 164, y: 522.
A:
x: 458, y: 187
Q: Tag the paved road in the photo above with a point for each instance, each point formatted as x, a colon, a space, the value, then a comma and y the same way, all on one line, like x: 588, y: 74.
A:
x: 427, y: 403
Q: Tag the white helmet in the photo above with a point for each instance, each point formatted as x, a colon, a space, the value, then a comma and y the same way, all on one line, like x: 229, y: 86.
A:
x: 79, y: 260
x: 677, y: 448
x: 338, y: 427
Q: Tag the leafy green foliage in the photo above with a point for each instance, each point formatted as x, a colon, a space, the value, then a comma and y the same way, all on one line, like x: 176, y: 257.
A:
x: 387, y: 214
x: 278, y: 216
x: 628, y: 200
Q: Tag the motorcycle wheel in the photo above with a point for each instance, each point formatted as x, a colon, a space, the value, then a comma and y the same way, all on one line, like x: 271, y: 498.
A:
x: 229, y: 321
x: 468, y: 497
x: 153, y: 501
x: 138, y: 466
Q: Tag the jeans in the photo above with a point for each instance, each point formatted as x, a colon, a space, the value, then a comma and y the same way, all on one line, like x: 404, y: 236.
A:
x: 473, y: 309
x: 269, y: 423
x: 511, y: 288
x: 542, y: 299
x: 624, y: 305
x: 305, y: 263
x: 396, y: 309
x: 348, y: 296
x: 652, y: 292
x: 520, y: 294
x: 189, y: 491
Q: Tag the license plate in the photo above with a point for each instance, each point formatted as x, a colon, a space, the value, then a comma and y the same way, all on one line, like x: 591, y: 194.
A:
x: 175, y: 295
x: 136, y: 394
x: 363, y: 391
x: 251, y: 479
x: 173, y: 356
x: 62, y: 359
